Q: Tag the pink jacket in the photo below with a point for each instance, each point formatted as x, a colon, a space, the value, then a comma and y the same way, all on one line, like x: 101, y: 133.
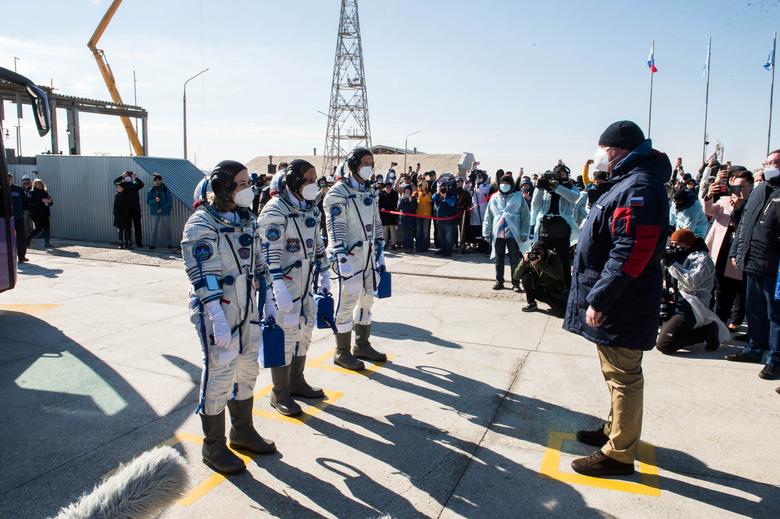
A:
x: 720, y: 212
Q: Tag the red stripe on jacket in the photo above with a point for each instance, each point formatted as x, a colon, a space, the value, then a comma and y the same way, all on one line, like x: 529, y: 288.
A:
x: 622, y: 213
x: 644, y: 246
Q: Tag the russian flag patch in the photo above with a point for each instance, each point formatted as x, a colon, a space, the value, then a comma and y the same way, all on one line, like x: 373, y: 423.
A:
x: 636, y: 201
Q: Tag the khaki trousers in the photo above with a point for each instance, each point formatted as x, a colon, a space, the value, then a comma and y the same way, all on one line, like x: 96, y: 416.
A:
x: 622, y: 370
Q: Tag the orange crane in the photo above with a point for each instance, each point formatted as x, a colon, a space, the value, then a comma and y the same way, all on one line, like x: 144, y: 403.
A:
x: 108, y: 76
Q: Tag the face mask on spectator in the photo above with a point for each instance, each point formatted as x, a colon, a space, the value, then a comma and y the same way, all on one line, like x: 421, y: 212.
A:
x: 772, y: 175
x: 505, y: 188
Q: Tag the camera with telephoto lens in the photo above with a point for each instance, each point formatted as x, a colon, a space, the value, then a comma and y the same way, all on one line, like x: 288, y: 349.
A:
x: 548, y: 181
x: 533, y: 256
x: 673, y: 253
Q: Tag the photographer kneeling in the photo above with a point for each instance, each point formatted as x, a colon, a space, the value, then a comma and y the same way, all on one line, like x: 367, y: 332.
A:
x: 541, y: 272
x: 691, y: 281
x: 552, y: 213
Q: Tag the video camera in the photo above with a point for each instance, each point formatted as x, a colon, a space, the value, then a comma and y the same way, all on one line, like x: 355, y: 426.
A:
x: 547, y: 181
x: 672, y: 254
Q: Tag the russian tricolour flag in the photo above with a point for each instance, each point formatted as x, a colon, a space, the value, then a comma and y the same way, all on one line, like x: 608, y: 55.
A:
x: 651, y: 61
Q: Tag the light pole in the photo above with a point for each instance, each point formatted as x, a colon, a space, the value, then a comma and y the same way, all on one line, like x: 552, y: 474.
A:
x: 184, y: 108
x: 406, y: 149
x: 18, y: 122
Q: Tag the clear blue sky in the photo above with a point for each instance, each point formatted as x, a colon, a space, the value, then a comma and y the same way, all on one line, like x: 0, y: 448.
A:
x: 517, y: 83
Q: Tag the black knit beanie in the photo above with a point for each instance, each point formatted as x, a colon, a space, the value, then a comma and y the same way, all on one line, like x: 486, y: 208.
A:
x: 622, y: 134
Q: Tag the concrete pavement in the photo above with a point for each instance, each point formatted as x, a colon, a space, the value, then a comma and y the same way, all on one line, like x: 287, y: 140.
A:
x: 471, y: 417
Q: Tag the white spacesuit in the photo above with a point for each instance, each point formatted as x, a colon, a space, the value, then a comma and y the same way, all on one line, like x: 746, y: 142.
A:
x: 223, y: 258
x: 295, y: 254
x: 355, y: 245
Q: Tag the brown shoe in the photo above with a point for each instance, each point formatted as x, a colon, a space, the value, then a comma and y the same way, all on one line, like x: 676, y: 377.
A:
x: 599, y: 465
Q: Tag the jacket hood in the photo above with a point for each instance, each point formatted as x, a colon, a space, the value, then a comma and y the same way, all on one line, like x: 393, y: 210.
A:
x: 686, y: 198
x: 645, y: 159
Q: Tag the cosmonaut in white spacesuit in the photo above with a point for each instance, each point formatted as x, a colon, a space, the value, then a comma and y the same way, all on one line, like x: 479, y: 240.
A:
x: 222, y: 253
x: 356, y: 247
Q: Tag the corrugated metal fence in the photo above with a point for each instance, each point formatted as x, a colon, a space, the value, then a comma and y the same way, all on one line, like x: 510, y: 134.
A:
x: 83, y: 193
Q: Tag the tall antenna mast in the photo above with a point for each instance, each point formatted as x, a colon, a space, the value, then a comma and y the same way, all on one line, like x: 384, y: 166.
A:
x: 348, y: 125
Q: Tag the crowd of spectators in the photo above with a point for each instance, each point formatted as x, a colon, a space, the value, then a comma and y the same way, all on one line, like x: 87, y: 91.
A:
x: 31, y: 208
x: 719, y: 272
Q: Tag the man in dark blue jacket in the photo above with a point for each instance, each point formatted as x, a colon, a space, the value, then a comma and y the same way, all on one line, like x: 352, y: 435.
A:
x: 756, y: 251
x: 160, y: 202
x: 445, y: 205
x: 133, y: 186
x: 20, y: 204
x: 615, y: 293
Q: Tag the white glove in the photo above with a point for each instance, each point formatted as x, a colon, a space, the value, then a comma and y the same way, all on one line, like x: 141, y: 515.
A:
x: 345, y: 269
x: 284, y: 300
x: 324, y: 280
x: 219, y: 324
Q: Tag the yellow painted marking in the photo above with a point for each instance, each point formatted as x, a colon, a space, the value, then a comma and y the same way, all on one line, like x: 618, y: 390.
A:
x: 308, y: 410
x: 28, y: 309
x: 215, y: 479
x: 263, y: 392
x: 649, y: 483
x: 325, y: 361
x: 212, y: 482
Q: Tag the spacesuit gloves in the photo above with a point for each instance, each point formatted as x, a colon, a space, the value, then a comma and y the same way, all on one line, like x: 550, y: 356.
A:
x: 284, y: 300
x: 219, y: 324
x: 324, y: 281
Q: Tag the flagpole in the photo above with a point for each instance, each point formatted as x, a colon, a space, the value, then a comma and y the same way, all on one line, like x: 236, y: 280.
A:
x: 650, y: 111
x: 771, y: 94
x: 706, y: 101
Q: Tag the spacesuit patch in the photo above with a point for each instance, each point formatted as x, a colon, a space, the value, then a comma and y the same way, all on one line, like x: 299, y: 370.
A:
x: 273, y: 233
x: 202, y: 251
x: 293, y: 245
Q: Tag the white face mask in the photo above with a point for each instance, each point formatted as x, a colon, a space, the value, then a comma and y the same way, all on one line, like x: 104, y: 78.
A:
x: 309, y: 192
x: 365, y: 172
x: 771, y: 174
x: 505, y: 188
x: 600, y: 160
x: 244, y: 197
